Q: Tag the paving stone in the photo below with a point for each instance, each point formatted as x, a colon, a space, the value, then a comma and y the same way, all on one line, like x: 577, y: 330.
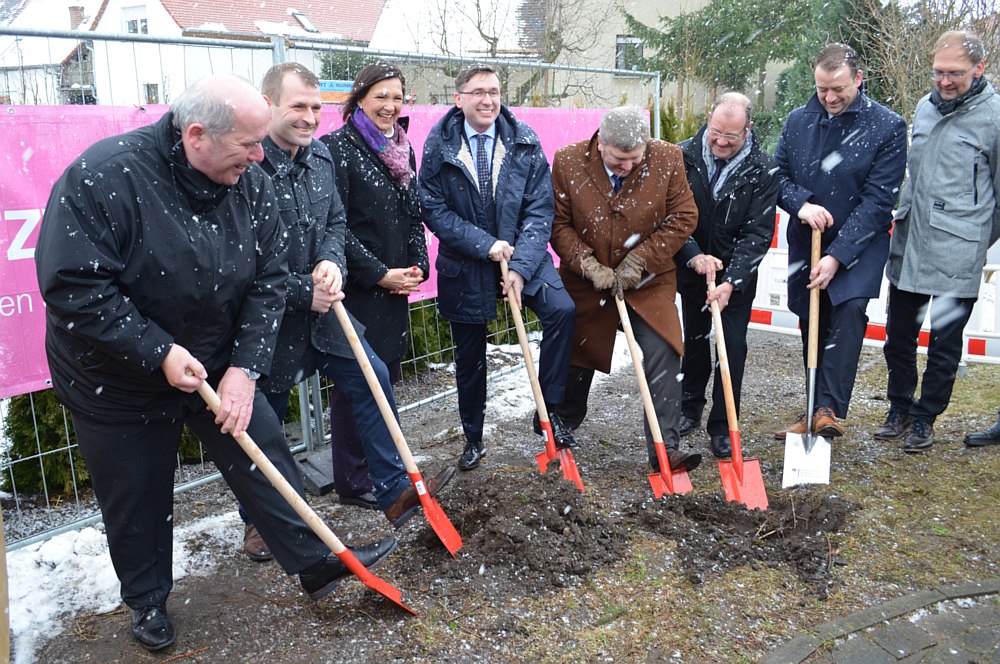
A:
x: 794, y: 651
x: 944, y: 625
x: 977, y: 642
x: 902, y: 638
x: 861, y: 650
x: 944, y: 654
x: 982, y: 614
x: 971, y: 589
x: 915, y: 658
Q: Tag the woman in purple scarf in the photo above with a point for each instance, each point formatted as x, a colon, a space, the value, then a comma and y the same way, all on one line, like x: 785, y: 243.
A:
x: 386, y: 248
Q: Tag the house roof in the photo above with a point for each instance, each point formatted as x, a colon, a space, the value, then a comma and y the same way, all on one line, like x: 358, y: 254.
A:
x: 16, y: 52
x: 352, y: 20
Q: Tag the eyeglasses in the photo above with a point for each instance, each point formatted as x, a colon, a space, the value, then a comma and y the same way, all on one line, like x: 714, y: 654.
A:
x: 950, y: 75
x: 479, y: 93
x: 732, y: 138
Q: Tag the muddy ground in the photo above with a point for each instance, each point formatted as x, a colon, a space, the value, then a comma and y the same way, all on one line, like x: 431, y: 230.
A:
x: 549, y: 573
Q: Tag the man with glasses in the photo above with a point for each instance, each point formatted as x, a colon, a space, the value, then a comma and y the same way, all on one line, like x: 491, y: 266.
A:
x: 487, y: 195
x: 840, y: 161
x: 735, y: 188
x: 946, y: 221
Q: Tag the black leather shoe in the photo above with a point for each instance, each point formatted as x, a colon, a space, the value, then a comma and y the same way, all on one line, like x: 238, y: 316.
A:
x: 678, y: 460
x: 562, y: 434
x: 151, y: 627
x: 471, y: 456
x: 320, y: 579
x: 921, y: 437
x: 897, y: 425
x: 990, y: 436
x: 366, y: 500
x: 721, y: 446
x: 687, y: 425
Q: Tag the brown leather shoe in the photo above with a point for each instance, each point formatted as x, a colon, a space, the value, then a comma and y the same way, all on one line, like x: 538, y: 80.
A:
x: 825, y: 423
x: 254, y: 545
x: 798, y: 428
x: 406, y: 505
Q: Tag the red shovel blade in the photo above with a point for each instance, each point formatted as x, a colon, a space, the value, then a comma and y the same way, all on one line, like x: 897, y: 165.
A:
x: 568, y: 465
x: 741, y: 478
x: 543, y: 458
x: 667, y: 481
x: 378, y: 585
x: 435, y: 516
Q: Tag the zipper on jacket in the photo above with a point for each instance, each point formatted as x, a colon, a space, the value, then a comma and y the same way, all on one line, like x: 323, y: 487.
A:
x: 975, y: 183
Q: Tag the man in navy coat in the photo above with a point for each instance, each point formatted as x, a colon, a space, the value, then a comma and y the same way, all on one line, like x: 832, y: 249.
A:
x: 840, y: 161
x: 486, y: 193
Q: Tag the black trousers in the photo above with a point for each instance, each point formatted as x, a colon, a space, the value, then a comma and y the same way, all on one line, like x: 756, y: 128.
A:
x: 841, y: 333
x: 949, y: 317
x: 661, y: 364
x: 557, y: 313
x: 132, y: 469
x: 697, y: 363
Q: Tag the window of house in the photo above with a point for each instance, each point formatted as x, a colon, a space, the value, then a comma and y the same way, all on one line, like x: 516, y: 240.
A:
x: 152, y: 93
x: 628, y: 52
x: 134, y: 20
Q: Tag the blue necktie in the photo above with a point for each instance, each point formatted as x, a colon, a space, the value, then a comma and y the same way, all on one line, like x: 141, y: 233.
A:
x: 616, y: 181
x: 483, y: 169
x: 720, y: 165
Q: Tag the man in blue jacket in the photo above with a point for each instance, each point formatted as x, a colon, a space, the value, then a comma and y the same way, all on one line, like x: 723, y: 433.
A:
x: 947, y: 219
x: 840, y: 161
x: 487, y: 195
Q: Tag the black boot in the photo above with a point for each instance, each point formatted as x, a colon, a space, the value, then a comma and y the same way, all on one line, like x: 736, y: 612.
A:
x: 320, y: 579
x: 151, y: 627
x: 562, y: 434
x: 990, y: 436
x: 471, y: 455
x: 720, y: 445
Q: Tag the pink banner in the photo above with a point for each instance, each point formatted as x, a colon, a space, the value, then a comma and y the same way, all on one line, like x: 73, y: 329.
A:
x: 38, y: 142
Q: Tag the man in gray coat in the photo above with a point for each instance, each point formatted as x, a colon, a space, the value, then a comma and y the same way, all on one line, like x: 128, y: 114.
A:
x: 947, y: 220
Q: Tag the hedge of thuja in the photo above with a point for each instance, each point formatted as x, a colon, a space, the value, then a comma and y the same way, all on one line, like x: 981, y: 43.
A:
x: 40, y: 432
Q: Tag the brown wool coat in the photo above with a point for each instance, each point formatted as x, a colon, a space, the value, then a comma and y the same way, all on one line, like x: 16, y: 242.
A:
x: 654, y: 213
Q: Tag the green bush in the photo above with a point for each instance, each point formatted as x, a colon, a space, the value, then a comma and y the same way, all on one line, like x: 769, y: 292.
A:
x: 675, y: 128
x: 42, y: 461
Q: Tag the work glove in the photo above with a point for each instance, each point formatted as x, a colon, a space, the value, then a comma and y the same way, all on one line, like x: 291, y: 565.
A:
x: 629, y: 271
x: 602, y: 276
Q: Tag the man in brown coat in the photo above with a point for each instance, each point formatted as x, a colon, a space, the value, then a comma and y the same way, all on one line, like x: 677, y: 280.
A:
x: 623, y: 209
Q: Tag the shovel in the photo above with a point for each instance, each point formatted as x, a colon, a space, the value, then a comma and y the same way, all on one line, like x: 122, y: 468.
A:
x: 807, y: 456
x: 741, y: 478
x: 667, y: 481
x: 432, y: 509
x: 566, y: 460
x: 303, y: 510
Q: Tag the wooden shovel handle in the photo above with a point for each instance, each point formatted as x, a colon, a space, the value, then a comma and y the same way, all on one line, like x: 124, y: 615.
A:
x: 640, y: 373
x: 375, y: 387
x: 529, y: 363
x: 817, y: 250
x: 720, y: 346
x: 265, y: 466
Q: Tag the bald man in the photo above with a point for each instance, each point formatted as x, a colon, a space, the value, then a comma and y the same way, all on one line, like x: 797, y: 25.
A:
x: 162, y: 264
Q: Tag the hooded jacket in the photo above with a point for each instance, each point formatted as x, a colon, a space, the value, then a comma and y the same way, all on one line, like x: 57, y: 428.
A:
x: 948, y: 216
x: 453, y: 210
x: 138, y: 251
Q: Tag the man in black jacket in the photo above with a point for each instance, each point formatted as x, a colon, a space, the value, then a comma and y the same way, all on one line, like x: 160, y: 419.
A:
x: 311, y: 337
x: 162, y: 264
x: 735, y: 189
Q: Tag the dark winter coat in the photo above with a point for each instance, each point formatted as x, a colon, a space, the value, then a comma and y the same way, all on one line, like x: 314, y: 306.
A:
x: 738, y: 227
x: 384, y: 230
x: 653, y: 214
x: 851, y: 164
x: 138, y: 251
x: 313, y: 215
x: 453, y: 210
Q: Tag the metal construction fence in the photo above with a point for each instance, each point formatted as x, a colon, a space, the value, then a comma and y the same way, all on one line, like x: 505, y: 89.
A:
x: 41, y: 68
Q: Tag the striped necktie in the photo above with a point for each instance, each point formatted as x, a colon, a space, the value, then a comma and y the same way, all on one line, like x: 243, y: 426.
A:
x: 483, y: 169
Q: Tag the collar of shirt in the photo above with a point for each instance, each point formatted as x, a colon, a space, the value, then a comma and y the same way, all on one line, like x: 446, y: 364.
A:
x: 611, y: 176
x: 491, y: 135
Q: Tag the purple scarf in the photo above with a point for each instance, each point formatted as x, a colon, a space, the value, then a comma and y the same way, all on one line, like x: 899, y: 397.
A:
x: 394, y: 152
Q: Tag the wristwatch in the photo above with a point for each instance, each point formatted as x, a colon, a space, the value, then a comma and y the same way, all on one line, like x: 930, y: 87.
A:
x: 251, y: 374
